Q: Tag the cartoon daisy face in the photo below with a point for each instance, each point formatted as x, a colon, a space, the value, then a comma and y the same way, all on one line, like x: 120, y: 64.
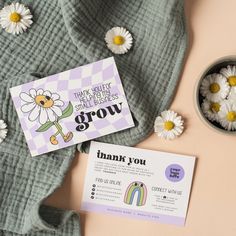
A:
x: 42, y: 105
x: 44, y: 101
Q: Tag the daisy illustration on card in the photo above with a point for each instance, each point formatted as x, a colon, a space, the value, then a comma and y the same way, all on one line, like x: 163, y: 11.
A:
x: 45, y: 108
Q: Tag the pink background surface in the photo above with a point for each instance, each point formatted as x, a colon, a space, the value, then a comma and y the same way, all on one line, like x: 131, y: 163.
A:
x: 213, y: 199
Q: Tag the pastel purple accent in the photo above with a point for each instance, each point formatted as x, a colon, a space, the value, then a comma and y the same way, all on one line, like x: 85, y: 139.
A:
x: 43, y: 149
x: 101, y: 123
x: 93, y: 134
x: 62, y: 84
x: 17, y: 103
x: 120, y: 123
x: 97, y: 67
x: 125, y: 111
x: 31, y: 145
x: 53, y: 77
x: 108, y: 72
x: 26, y: 87
x: 174, y: 172
x: 75, y: 73
x: 86, y: 81
x: 117, y: 77
x: 166, y: 219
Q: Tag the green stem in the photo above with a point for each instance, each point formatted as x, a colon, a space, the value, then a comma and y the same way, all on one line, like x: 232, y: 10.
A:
x: 56, y: 133
x: 59, y: 128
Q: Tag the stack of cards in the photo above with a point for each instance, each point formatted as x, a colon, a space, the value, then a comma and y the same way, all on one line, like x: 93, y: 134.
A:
x: 88, y: 102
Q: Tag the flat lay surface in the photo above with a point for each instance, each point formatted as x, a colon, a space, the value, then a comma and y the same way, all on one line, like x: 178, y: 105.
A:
x: 63, y: 35
x: 212, y: 202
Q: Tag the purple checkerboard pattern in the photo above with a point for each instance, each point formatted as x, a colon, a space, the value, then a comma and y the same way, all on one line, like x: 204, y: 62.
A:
x: 66, y: 84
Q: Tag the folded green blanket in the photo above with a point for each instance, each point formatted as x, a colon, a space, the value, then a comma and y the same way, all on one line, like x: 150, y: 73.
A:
x: 66, y: 34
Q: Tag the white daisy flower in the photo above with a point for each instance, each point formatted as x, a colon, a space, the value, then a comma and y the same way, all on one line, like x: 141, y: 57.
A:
x: 15, y: 18
x: 227, y: 115
x: 3, y: 130
x: 214, y: 87
x: 42, y: 105
x: 232, y: 94
x: 118, y: 40
x: 169, y: 125
x: 230, y: 74
x: 210, y: 109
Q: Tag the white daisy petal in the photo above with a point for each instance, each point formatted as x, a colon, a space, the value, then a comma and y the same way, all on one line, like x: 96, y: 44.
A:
x: 51, y: 115
x: 21, y: 9
x: 26, y: 97
x: 15, y: 18
x: 42, y: 105
x: 55, y: 96
x: 17, y: 7
x: 214, y: 87
x: 58, y: 103
x: 40, y: 92
x: 118, y: 40
x: 230, y: 74
x: 232, y: 94
x: 34, y: 114
x: 211, y: 109
x: 2, y: 124
x: 56, y: 110
x: 227, y: 115
x: 47, y: 93
x: 33, y: 93
x: 168, y: 125
x: 3, y: 133
x: 43, y: 116
x: 3, y: 130
x: 22, y: 26
x: 28, y: 107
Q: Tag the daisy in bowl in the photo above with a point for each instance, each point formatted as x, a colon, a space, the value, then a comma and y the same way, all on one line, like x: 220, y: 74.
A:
x: 232, y: 94
x: 118, y: 40
x: 168, y: 125
x: 3, y: 130
x: 214, y: 87
x: 42, y: 105
x: 211, y: 109
x: 227, y: 115
x: 15, y: 18
x: 230, y: 74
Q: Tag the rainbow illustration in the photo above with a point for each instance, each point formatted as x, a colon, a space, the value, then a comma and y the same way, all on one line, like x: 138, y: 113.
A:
x: 141, y: 190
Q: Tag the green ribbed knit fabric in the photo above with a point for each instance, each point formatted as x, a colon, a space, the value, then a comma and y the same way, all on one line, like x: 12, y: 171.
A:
x: 66, y: 34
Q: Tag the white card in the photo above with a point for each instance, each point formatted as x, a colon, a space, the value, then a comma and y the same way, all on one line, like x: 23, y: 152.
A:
x: 138, y: 183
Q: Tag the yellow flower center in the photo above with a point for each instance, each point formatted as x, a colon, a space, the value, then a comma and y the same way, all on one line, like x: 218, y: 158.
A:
x: 118, y: 40
x: 44, y: 101
x: 169, y: 125
x: 214, y: 88
x: 215, y: 107
x: 231, y: 116
x: 15, y: 17
x: 232, y: 80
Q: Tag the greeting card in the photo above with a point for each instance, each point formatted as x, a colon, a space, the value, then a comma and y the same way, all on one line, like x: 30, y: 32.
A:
x: 138, y: 183
x: 71, y: 107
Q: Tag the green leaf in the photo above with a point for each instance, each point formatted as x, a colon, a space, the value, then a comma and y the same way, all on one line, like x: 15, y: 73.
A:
x: 45, y: 127
x: 67, y: 112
